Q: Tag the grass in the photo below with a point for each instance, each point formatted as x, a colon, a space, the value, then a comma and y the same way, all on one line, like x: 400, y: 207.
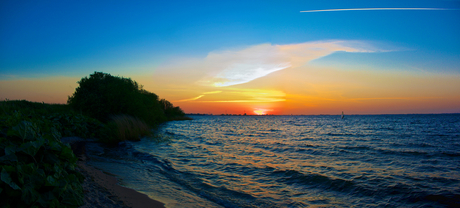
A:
x: 37, y: 169
x: 124, y: 127
x: 70, y: 123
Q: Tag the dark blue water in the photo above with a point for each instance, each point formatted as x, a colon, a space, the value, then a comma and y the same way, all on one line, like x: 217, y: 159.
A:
x: 295, y: 161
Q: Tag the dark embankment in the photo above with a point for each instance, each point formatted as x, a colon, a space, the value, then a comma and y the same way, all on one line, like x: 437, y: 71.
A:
x: 39, y: 170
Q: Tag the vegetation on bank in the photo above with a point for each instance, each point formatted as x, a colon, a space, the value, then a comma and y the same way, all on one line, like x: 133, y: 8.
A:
x: 37, y: 169
x: 124, y: 127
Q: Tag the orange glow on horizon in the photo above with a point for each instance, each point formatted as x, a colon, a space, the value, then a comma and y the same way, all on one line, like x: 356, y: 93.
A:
x: 305, y: 90
x: 260, y: 111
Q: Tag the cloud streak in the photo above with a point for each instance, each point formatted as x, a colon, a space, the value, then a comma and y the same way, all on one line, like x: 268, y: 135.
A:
x: 233, y: 67
x: 198, y: 97
x: 373, y: 9
x: 191, y: 99
x: 243, y: 95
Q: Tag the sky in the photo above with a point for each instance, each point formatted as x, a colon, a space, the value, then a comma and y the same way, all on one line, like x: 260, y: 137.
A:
x: 235, y: 57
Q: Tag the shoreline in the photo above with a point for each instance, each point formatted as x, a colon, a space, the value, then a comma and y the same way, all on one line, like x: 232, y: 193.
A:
x: 120, y: 196
x: 103, y: 190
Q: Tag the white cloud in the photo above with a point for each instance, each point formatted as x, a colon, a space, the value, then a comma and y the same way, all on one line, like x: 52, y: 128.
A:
x: 242, y: 73
x: 372, y: 9
x: 234, y: 67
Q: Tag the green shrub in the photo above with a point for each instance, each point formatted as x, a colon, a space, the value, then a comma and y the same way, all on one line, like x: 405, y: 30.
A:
x: 37, y: 170
x: 74, y: 124
x: 102, y: 96
x: 60, y: 117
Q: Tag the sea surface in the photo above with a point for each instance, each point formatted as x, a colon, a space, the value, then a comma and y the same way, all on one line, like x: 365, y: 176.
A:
x: 294, y: 161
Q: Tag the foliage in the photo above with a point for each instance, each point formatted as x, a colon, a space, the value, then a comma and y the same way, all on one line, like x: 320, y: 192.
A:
x: 170, y: 111
x: 37, y: 170
x: 73, y: 124
x: 60, y: 117
x: 39, y: 108
x: 102, y: 96
x: 124, y: 127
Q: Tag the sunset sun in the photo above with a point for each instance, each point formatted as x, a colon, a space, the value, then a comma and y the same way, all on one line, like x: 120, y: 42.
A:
x: 261, y: 111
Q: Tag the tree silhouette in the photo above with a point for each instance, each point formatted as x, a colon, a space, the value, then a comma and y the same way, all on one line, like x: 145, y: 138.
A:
x: 102, y: 96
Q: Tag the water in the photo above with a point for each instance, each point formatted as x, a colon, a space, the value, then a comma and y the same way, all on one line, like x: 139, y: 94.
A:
x: 295, y: 161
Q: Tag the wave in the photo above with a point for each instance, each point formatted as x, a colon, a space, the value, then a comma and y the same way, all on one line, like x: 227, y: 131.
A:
x: 359, y: 148
x: 418, y: 153
x: 374, y: 160
x: 405, y: 152
x: 451, y: 154
x: 344, y: 135
x: 447, y: 199
x: 313, y: 180
x: 361, y: 186
x: 219, y: 194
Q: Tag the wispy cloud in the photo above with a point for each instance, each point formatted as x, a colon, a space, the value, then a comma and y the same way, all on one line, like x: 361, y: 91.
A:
x: 198, y: 97
x: 191, y: 99
x: 213, y: 92
x: 243, y: 73
x: 233, y: 67
x: 372, y: 9
x: 393, y: 98
x: 242, y: 95
x: 258, y: 100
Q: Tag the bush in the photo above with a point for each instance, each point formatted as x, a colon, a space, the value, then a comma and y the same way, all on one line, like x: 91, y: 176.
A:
x: 103, y: 96
x: 73, y: 124
x: 37, y: 170
x: 57, y: 116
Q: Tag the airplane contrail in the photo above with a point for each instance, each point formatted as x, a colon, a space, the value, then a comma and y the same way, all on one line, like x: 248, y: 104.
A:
x: 370, y: 9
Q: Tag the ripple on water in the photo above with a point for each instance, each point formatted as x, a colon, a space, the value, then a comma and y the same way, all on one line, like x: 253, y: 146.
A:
x: 301, y: 161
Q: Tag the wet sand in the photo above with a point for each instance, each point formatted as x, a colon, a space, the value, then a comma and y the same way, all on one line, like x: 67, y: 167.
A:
x: 101, y: 189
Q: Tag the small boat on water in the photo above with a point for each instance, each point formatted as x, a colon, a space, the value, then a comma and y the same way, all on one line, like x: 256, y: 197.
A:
x: 342, y: 115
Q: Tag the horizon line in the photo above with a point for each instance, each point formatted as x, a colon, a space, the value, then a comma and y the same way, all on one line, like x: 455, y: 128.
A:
x: 353, y: 114
x: 372, y: 9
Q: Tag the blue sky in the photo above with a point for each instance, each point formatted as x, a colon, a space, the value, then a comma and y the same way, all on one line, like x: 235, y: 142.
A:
x: 43, y: 38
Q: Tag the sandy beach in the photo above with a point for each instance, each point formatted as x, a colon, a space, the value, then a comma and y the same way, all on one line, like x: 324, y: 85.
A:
x: 102, y: 189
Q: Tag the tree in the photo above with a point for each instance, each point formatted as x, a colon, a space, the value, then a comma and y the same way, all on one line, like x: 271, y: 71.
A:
x: 102, y: 96
x: 169, y: 110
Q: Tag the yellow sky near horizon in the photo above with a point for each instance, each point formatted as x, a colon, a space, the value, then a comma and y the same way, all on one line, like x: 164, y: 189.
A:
x: 290, y: 92
x: 274, y: 79
x: 48, y: 90
x: 320, y: 91
x: 250, y: 79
